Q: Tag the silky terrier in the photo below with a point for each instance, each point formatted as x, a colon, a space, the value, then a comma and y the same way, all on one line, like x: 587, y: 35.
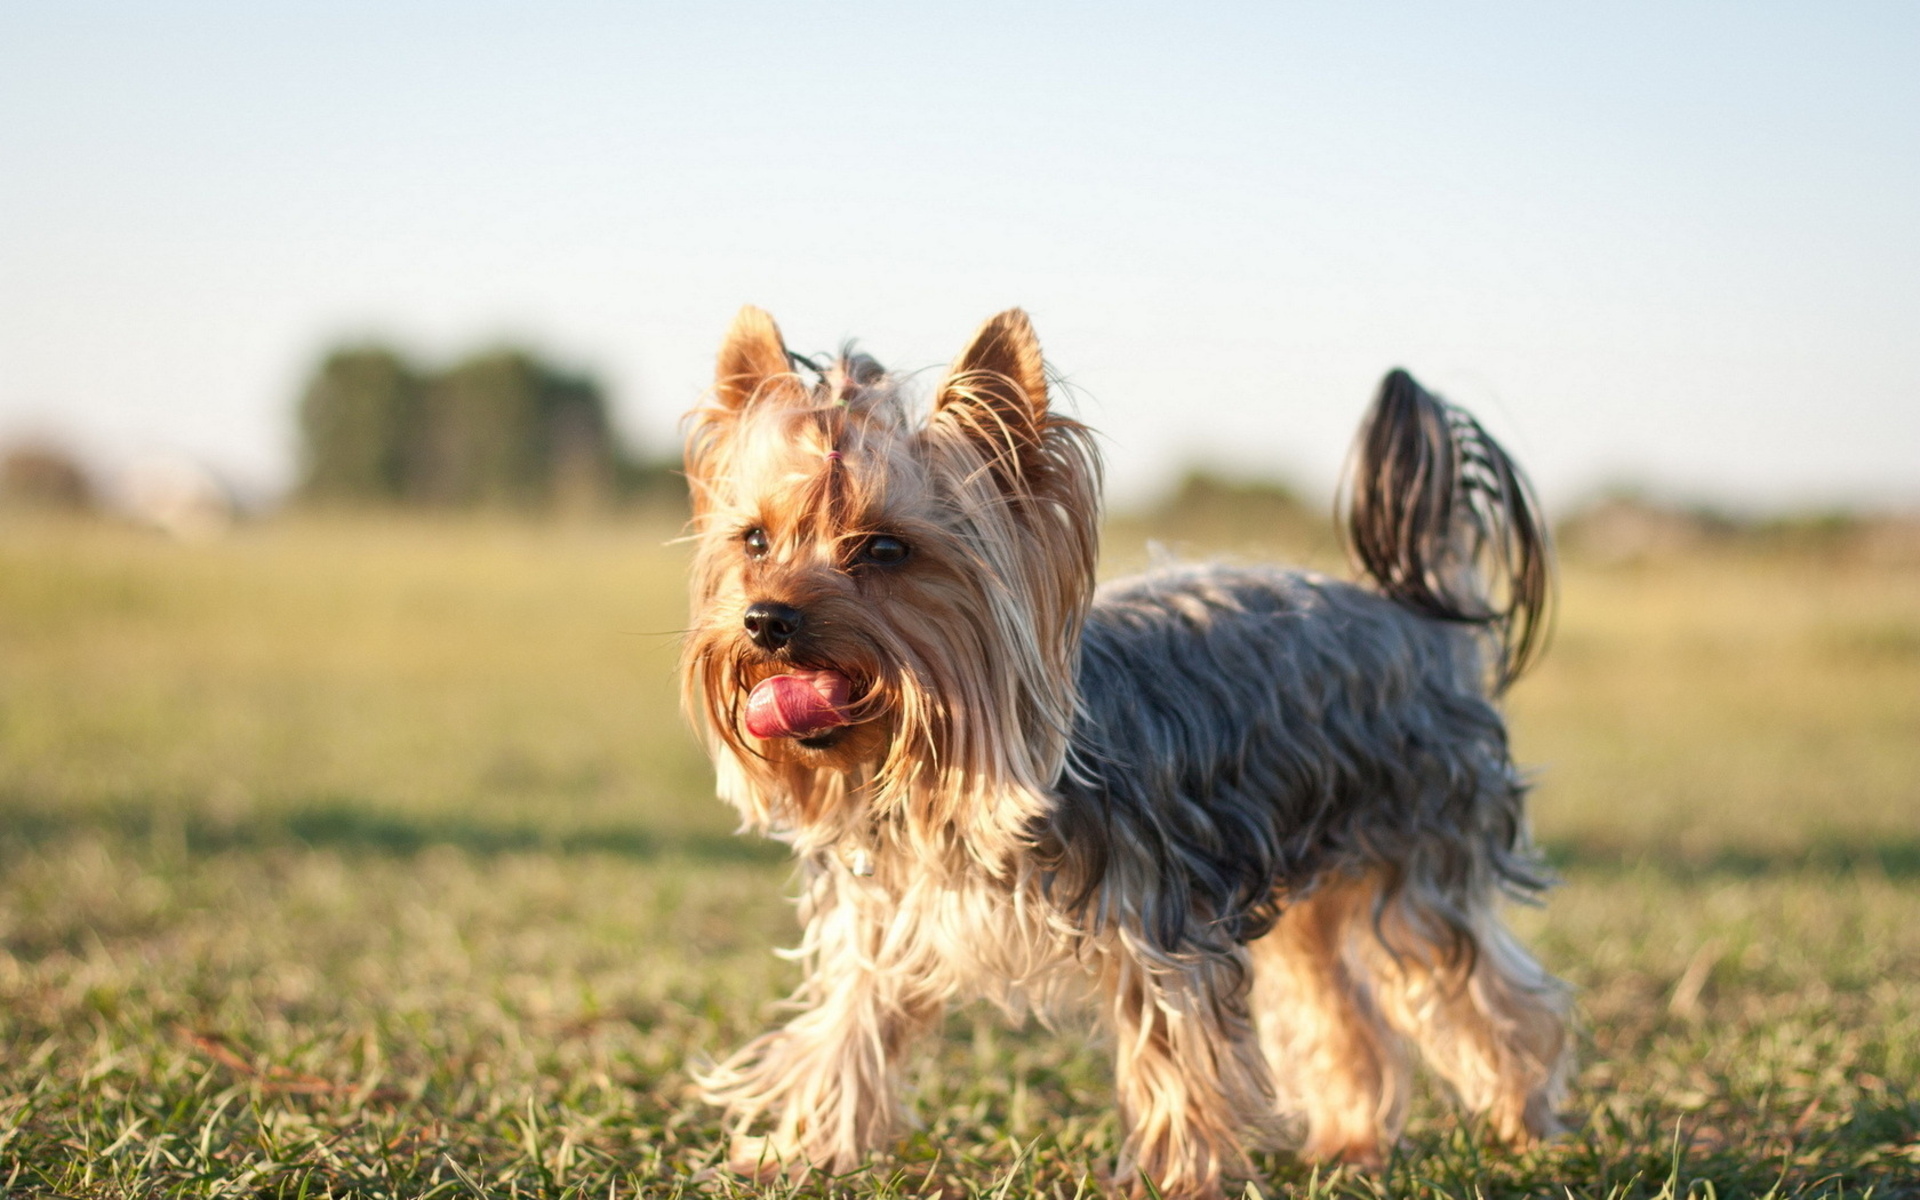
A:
x: 1261, y: 819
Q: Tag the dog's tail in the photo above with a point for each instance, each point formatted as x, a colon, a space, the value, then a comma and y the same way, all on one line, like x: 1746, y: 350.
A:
x: 1443, y: 520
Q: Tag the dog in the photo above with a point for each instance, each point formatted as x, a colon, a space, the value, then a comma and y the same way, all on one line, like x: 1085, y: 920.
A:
x: 1261, y: 819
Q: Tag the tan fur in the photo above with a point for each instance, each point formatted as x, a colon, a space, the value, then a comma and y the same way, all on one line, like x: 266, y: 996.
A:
x: 1336, y: 995
x: 1494, y: 1026
x: 1336, y: 1065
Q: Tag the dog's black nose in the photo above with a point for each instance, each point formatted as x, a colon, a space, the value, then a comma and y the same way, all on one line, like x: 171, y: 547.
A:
x: 771, y: 625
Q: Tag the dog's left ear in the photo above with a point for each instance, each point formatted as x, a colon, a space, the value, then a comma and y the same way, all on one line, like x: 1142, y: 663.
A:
x: 996, y: 395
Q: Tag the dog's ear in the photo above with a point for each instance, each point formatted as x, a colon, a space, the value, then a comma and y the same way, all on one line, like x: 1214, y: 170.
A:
x: 996, y: 395
x: 753, y: 368
x: 753, y: 362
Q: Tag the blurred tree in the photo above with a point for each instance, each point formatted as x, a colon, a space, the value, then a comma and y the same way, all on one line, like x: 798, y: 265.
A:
x: 481, y: 441
x: 1209, y: 506
x: 359, y: 421
x: 501, y: 429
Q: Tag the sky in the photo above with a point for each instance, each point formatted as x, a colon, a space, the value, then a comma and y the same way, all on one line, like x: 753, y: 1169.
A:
x: 1667, y: 245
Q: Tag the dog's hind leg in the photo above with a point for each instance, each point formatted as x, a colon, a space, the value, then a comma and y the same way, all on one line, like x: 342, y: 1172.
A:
x: 1335, y: 1063
x: 1491, y: 1020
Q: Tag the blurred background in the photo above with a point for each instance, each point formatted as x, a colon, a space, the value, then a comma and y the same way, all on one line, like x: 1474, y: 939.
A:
x: 343, y: 347
x: 1669, y: 246
x: 450, y: 274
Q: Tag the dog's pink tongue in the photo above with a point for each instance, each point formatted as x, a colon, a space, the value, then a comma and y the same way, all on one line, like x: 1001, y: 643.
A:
x: 797, y: 705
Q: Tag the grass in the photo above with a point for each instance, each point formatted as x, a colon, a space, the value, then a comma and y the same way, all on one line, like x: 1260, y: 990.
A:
x: 350, y: 857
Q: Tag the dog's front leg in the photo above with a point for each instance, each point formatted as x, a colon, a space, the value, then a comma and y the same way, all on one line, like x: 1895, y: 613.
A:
x: 1191, y: 1081
x: 827, y: 1081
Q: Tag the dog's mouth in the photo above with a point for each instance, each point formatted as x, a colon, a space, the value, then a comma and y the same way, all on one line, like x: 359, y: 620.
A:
x: 811, y: 707
x: 827, y: 740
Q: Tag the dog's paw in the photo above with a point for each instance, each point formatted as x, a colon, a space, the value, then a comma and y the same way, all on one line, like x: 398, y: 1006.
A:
x: 765, y: 1161
x: 1362, y: 1151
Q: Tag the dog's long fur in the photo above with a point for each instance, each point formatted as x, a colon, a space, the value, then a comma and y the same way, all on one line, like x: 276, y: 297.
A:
x: 1264, y: 817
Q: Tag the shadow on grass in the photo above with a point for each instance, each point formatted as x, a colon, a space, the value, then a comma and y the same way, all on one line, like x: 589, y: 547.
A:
x: 351, y: 827
x: 1895, y: 858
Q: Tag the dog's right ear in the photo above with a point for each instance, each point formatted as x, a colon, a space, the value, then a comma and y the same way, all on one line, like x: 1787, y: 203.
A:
x: 753, y: 368
x: 753, y: 362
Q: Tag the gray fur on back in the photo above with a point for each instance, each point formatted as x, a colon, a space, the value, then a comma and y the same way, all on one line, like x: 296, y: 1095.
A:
x: 1245, y: 731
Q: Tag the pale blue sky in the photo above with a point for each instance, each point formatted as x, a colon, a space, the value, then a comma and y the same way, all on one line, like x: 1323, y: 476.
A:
x: 1672, y: 243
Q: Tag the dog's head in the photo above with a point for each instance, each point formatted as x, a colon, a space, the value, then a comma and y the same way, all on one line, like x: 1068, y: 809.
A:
x: 886, y: 609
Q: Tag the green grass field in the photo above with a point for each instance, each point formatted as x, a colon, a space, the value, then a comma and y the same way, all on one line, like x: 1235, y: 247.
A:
x: 372, y: 858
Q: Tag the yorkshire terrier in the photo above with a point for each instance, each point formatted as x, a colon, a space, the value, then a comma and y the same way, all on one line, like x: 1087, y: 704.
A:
x: 1263, y: 818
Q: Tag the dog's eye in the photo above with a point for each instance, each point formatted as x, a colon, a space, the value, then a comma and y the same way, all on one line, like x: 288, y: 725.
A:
x: 756, y: 542
x: 883, y: 550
